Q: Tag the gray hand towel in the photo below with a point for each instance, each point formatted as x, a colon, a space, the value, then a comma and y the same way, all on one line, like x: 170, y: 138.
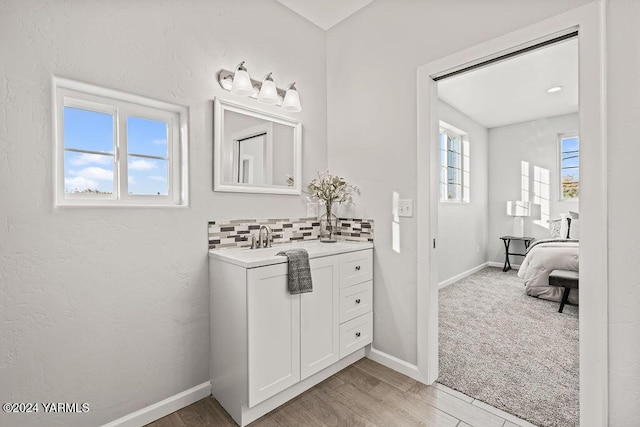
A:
x: 299, y: 277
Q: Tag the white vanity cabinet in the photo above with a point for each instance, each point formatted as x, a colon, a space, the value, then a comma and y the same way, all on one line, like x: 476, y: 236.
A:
x: 268, y: 345
x: 290, y: 337
x: 273, y: 328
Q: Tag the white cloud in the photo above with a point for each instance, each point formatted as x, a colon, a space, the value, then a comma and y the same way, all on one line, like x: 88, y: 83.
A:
x: 142, y: 165
x: 160, y: 141
x: 131, y: 179
x: 158, y: 178
x: 87, y: 158
x: 80, y: 183
x: 94, y: 172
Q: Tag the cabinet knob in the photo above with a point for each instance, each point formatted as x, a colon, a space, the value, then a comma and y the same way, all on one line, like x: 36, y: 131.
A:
x: 357, y: 268
x: 358, y: 334
x: 358, y: 301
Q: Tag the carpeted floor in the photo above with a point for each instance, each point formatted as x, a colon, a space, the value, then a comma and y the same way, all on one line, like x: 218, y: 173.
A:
x: 509, y: 350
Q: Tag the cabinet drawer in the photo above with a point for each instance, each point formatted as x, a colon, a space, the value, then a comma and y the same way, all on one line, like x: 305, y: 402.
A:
x: 355, y: 300
x: 356, y: 267
x: 355, y: 334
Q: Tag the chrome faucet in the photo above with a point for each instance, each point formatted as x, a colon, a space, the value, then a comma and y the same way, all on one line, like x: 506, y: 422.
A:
x: 267, y: 238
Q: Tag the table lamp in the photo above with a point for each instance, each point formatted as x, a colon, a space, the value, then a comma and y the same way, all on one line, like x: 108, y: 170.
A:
x: 518, y: 209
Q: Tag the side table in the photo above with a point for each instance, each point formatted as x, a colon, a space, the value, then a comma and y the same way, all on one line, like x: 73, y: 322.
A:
x: 507, y: 242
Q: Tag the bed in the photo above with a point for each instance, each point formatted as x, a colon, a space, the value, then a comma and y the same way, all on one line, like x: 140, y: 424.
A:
x: 544, y: 256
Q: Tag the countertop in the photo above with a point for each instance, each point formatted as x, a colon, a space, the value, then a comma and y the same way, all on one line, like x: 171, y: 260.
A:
x: 251, y: 258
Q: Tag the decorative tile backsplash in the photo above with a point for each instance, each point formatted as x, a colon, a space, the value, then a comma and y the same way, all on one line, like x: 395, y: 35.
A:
x: 360, y: 230
x: 237, y: 232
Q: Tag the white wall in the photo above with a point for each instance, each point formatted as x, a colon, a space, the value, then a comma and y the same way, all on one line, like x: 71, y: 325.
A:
x: 623, y: 115
x: 110, y: 306
x: 536, y: 143
x: 463, y: 228
x: 372, y: 59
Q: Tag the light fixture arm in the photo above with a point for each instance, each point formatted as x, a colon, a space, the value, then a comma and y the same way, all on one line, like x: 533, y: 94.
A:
x: 241, y: 67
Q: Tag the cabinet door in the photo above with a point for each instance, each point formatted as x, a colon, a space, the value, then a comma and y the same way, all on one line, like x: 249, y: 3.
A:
x: 273, y: 318
x: 320, y: 317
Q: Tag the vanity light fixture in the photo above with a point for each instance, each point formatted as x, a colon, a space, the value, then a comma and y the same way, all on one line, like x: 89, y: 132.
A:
x: 554, y: 89
x: 268, y: 91
x: 291, y: 100
x: 239, y: 83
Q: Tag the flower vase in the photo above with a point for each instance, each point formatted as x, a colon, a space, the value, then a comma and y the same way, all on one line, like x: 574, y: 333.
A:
x: 328, y: 227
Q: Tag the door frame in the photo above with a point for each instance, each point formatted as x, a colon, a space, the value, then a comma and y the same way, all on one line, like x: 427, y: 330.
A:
x: 589, y: 19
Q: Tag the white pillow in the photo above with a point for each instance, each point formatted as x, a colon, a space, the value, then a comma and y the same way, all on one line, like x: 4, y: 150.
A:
x: 564, y: 226
x: 574, y: 231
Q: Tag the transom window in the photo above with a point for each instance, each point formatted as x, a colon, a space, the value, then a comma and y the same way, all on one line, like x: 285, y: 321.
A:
x: 454, y: 164
x: 115, y: 148
x: 569, y: 165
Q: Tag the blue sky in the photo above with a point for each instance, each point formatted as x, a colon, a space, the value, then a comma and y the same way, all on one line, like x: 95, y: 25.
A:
x: 571, y: 159
x: 93, y: 131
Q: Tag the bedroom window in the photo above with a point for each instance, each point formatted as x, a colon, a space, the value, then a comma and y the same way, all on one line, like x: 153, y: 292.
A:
x: 569, y: 166
x: 114, y: 148
x: 454, y: 164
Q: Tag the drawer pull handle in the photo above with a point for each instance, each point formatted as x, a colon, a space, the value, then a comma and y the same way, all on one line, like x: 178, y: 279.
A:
x: 358, y: 301
x: 357, y: 268
x: 357, y: 334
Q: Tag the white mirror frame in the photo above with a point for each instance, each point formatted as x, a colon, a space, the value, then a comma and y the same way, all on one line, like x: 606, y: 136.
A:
x: 220, y: 106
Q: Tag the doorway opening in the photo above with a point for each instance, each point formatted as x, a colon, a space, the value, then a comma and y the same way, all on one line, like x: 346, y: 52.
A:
x: 593, y: 215
x: 509, y: 173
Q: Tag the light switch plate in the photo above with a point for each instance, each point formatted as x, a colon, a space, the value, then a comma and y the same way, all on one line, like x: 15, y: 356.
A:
x: 313, y: 209
x: 405, y: 207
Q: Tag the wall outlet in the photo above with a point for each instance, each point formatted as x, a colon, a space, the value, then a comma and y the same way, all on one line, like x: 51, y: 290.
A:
x: 313, y: 209
x: 405, y: 207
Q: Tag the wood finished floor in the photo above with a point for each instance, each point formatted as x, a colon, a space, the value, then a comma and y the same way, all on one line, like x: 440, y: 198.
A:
x: 363, y: 394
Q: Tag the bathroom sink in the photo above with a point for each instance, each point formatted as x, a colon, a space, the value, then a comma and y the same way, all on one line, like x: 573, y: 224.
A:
x: 250, y: 258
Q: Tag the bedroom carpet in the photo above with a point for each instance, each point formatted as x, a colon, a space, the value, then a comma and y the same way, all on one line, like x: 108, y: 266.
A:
x: 510, y: 350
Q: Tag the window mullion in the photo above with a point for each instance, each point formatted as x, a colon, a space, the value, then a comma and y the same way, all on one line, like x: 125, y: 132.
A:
x: 123, y: 172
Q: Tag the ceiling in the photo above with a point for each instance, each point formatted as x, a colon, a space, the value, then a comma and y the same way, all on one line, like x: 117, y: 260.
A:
x: 325, y: 13
x: 515, y: 90
x: 511, y: 91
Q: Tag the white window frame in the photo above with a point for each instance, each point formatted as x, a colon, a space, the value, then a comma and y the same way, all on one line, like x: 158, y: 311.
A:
x: 70, y: 93
x: 465, y: 175
x: 561, y: 136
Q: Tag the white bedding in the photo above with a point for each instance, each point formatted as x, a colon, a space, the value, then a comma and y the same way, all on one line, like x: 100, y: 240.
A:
x: 542, y: 258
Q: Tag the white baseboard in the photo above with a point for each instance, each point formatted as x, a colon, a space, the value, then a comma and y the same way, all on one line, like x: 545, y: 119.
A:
x: 464, y: 274
x: 163, y: 408
x: 396, y: 364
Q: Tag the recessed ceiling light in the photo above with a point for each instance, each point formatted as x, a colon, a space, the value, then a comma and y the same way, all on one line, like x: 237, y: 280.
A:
x: 554, y: 89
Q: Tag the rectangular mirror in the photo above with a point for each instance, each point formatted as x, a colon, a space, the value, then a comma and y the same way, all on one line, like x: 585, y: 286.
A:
x: 254, y: 151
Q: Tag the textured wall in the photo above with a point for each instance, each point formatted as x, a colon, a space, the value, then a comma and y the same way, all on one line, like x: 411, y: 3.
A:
x: 463, y: 228
x: 371, y: 81
x: 623, y: 115
x: 110, y: 306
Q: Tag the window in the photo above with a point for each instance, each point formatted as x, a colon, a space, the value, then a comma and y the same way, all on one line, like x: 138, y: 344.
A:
x: 454, y: 164
x: 569, y: 166
x: 113, y: 148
